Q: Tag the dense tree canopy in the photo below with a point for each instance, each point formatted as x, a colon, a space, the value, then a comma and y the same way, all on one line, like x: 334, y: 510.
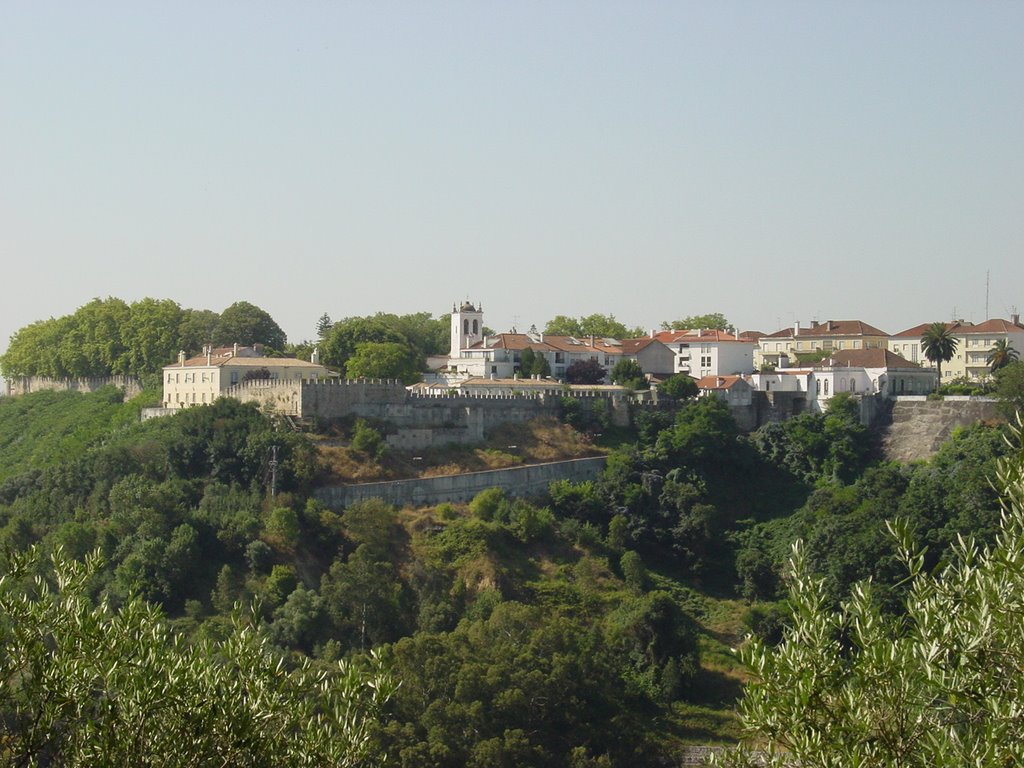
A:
x: 1010, y: 387
x: 937, y: 684
x: 715, y: 320
x: 601, y: 326
x: 385, y: 360
x: 420, y: 333
x: 110, y: 337
x: 84, y: 684
x: 246, y: 324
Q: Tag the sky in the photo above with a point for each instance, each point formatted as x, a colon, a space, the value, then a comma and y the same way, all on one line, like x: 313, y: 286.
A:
x: 773, y: 161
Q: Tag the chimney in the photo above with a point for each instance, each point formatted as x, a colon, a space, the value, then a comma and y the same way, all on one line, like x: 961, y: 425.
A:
x: 208, y: 349
x: 828, y: 326
x: 234, y: 350
x: 1015, y: 318
x: 796, y: 328
x: 181, y: 358
x: 315, y: 357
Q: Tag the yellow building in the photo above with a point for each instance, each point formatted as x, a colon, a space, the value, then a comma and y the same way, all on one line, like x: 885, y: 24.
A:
x: 204, y: 378
x: 784, y: 348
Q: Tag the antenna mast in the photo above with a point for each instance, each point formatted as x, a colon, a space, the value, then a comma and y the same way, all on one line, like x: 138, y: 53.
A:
x: 986, y: 295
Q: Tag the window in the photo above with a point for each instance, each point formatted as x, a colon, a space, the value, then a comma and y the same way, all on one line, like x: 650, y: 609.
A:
x: 826, y: 387
x: 234, y: 377
x: 817, y: 387
x: 474, y: 327
x: 465, y: 327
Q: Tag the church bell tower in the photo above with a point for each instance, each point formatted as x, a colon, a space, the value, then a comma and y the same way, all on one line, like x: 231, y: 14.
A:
x: 467, y: 326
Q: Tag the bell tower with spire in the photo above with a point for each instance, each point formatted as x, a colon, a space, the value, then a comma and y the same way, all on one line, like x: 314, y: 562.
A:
x: 467, y: 326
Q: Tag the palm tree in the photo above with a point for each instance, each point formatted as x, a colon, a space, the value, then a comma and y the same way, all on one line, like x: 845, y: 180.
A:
x: 939, y: 345
x: 1001, y: 355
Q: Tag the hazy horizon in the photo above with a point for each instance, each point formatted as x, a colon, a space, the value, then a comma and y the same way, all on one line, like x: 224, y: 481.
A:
x: 776, y: 162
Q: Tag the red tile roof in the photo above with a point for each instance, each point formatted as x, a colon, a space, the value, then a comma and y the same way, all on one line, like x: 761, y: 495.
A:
x: 707, y: 335
x: 831, y: 328
x: 865, y: 358
x: 719, y: 382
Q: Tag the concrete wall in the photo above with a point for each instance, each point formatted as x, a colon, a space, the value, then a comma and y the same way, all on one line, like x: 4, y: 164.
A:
x: 517, y: 481
x: 24, y: 385
x: 919, y: 426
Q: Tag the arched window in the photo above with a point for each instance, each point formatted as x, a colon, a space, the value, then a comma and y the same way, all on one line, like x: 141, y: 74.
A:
x: 826, y: 387
x: 853, y: 385
x: 465, y: 327
x: 474, y: 327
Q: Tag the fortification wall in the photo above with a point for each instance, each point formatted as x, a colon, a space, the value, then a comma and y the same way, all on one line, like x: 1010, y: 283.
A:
x: 517, y: 481
x: 918, y: 426
x: 283, y: 397
x: 23, y: 385
x: 336, y: 397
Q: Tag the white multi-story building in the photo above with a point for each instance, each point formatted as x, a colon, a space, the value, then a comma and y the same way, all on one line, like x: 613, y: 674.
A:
x: 707, y: 352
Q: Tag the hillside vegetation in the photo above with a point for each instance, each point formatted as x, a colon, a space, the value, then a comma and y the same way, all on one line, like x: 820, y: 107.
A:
x: 589, y: 628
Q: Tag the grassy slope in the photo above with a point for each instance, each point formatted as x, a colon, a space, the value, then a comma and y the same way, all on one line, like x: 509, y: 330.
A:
x: 45, y: 428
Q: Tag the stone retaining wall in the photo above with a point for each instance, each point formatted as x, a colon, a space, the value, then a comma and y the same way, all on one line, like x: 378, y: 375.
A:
x: 526, y: 481
x: 919, y: 426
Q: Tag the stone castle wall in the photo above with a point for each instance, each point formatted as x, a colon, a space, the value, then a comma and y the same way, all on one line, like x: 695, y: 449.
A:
x: 24, y: 385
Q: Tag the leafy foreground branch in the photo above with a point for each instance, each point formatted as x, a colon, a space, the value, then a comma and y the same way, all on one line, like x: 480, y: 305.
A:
x: 940, y: 685
x: 86, y: 685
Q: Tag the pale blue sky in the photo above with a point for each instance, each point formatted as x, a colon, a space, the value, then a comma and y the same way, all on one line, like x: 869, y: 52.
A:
x: 774, y: 161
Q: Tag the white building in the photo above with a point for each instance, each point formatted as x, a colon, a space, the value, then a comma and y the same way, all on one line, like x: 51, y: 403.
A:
x: 476, y: 355
x: 708, y: 352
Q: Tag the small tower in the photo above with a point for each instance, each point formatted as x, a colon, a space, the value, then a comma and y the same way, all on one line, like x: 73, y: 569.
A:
x: 467, y: 326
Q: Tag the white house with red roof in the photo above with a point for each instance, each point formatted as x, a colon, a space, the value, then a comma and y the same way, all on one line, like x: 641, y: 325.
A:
x: 733, y: 390
x: 476, y: 355
x: 707, y: 352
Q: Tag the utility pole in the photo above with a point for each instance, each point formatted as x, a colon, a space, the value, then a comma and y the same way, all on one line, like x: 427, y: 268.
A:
x: 273, y: 471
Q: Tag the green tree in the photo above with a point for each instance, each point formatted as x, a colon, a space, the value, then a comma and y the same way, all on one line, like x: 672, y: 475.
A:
x: 1010, y: 387
x: 714, y: 321
x: 196, y: 329
x: 323, y: 325
x: 151, y: 334
x: 937, y: 684
x: 341, y: 340
x: 628, y: 373
x: 246, y: 324
x: 601, y: 326
x: 84, y: 684
x: 533, y: 363
x: 383, y: 360
x: 678, y: 387
x: 939, y: 345
x: 1001, y: 355
x: 367, y: 441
